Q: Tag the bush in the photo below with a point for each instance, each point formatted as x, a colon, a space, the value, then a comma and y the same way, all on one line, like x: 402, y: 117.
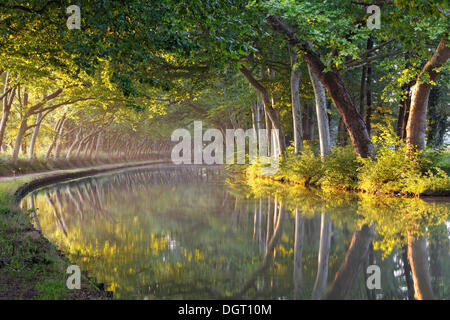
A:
x: 341, y: 168
x: 305, y: 168
x: 394, y: 171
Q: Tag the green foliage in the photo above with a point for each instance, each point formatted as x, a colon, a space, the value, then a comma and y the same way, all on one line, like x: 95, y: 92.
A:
x: 305, y: 168
x: 397, y: 170
x: 341, y: 168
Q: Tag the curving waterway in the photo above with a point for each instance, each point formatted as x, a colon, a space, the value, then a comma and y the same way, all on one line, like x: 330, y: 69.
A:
x: 171, y: 232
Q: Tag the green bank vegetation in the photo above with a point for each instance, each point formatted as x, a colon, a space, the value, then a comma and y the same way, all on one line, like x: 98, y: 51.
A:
x: 393, y: 171
x: 30, y: 266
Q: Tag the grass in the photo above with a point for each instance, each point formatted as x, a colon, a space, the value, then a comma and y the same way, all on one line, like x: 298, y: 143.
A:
x: 30, y: 266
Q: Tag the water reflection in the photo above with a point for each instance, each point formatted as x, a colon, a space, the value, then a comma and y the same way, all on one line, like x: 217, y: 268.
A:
x: 177, y: 233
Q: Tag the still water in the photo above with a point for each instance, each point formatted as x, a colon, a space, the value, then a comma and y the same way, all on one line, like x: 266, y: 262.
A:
x: 168, y: 232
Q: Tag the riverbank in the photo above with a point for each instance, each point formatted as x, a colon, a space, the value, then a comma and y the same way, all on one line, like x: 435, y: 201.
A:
x: 30, y: 266
x: 392, y: 173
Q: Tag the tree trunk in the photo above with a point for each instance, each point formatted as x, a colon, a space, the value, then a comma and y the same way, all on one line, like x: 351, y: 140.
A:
x: 308, y: 122
x: 321, y: 113
x: 417, y: 122
x: 418, y: 259
x: 6, y: 109
x: 298, y: 253
x: 335, y: 87
x: 362, y: 90
x: 295, y: 101
x: 354, y: 259
x: 324, y: 252
x: 22, y: 129
x: 59, y: 137
x: 74, y: 143
x: 52, y: 144
x: 34, y: 136
x: 97, y: 147
x: 369, y: 90
x: 268, y: 107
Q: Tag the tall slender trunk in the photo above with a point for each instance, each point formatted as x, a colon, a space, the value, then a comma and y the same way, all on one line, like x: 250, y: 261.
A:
x: 73, y: 145
x: 52, y: 144
x: 308, y: 121
x: 324, y: 253
x: 59, y: 137
x: 18, y: 142
x: 402, y: 111
x: 417, y: 122
x: 362, y: 91
x: 321, y: 113
x: 22, y: 129
x: 420, y: 268
x: 369, y: 90
x: 6, y: 108
x: 335, y: 87
x: 97, y: 147
x: 271, y: 112
x: 37, y: 125
x: 295, y: 101
x: 298, y: 253
x: 353, y: 261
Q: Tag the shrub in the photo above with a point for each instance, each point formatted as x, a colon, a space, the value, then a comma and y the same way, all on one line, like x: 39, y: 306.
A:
x: 396, y: 172
x: 341, y: 168
x: 305, y: 168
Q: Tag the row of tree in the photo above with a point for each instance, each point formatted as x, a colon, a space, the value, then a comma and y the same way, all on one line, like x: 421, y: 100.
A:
x: 136, y: 70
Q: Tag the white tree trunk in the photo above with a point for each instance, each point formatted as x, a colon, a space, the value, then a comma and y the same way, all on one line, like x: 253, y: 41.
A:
x: 295, y: 101
x: 321, y: 111
x: 298, y: 253
x: 324, y: 252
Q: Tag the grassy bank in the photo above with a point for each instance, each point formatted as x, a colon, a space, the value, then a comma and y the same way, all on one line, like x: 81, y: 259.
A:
x: 30, y: 266
x: 393, y: 172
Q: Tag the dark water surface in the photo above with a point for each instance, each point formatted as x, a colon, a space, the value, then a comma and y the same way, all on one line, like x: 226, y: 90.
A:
x: 193, y: 233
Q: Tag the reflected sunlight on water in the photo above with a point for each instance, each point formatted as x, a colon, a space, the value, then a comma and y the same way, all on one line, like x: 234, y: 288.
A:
x: 189, y: 233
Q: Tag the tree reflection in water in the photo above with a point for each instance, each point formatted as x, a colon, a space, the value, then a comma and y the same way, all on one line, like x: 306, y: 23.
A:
x: 181, y: 232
